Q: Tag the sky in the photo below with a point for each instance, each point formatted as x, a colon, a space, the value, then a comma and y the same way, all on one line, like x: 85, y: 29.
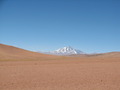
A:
x: 92, y: 26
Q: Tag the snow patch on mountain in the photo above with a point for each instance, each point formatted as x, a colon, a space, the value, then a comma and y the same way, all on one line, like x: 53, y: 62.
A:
x: 65, y: 51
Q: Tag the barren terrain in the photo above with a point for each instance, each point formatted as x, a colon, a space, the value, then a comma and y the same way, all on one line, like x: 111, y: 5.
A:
x: 60, y: 73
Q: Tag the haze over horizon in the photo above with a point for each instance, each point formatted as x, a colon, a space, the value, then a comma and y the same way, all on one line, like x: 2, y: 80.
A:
x: 46, y: 25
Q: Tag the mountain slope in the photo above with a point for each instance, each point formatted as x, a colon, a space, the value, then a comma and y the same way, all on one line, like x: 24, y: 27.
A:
x: 100, y: 55
x: 13, y: 53
x: 65, y: 51
x: 10, y: 52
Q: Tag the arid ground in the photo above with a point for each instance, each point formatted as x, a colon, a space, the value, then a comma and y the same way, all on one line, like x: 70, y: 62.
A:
x: 61, y: 73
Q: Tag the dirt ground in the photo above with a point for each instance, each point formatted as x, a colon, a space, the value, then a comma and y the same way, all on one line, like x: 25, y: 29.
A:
x: 60, y: 75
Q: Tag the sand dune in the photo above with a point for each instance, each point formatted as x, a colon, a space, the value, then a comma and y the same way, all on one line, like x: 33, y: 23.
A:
x: 96, y: 72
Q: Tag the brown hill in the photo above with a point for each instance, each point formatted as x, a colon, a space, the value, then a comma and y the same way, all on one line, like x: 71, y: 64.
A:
x: 110, y: 54
x: 13, y: 53
x: 102, y: 57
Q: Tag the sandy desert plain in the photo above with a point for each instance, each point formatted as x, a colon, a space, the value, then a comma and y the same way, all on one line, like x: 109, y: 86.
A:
x: 25, y: 70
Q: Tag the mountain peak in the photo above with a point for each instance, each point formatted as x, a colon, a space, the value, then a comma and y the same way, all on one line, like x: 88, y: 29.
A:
x: 68, y: 50
x: 65, y: 49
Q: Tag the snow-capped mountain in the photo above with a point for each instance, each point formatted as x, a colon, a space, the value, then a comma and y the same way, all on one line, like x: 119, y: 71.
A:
x: 65, y: 51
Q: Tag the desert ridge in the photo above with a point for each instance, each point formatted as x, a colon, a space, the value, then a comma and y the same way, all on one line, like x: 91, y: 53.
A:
x: 25, y: 70
x: 8, y: 52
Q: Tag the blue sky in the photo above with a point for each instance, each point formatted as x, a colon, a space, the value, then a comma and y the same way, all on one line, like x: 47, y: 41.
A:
x: 45, y: 25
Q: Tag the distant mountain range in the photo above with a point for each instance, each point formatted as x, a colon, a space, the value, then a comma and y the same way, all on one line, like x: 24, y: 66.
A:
x: 65, y: 51
x: 8, y: 52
